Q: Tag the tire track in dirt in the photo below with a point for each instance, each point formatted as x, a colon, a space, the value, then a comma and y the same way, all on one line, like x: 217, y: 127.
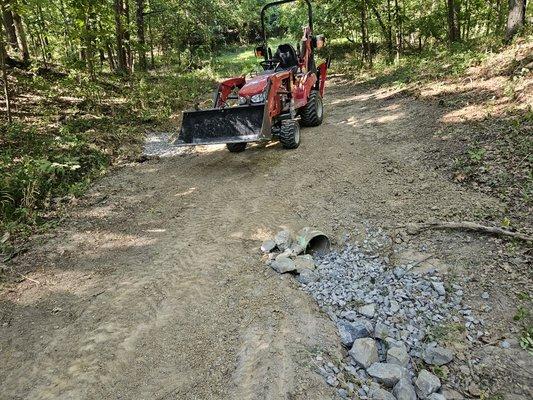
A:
x: 162, y: 291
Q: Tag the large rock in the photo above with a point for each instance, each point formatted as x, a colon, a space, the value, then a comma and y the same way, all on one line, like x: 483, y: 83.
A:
x: 435, y: 355
x: 387, y: 374
x: 377, y: 393
x: 381, y: 331
x: 304, y: 262
x: 350, y: 315
x: 390, y: 342
x: 364, y: 352
x: 306, y: 277
x: 286, y: 254
x: 404, y: 390
x: 268, y: 246
x: 350, y: 331
x: 283, y: 265
x: 283, y: 240
x: 426, y: 383
x: 398, y: 356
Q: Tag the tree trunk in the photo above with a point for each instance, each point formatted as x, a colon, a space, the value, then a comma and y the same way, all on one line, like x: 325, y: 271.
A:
x: 127, y: 35
x: 3, y: 56
x: 140, y: 34
x: 21, y: 36
x: 88, y: 43
x: 365, y: 48
x: 121, y: 52
x: 386, y: 30
x: 110, y: 57
x: 69, y: 47
x: 152, y: 58
x: 389, y: 31
x: 399, y: 38
x: 9, y: 25
x: 47, y: 56
x: 516, y: 18
x: 454, y: 30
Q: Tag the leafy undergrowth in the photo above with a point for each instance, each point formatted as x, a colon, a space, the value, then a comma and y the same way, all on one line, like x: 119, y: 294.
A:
x: 68, y: 130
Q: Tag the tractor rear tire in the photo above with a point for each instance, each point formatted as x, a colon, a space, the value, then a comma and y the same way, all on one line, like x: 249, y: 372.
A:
x: 236, y: 147
x: 289, y: 134
x: 313, y: 112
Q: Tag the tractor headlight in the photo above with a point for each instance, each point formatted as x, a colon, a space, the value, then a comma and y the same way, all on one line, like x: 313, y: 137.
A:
x: 258, y: 98
x: 242, y: 100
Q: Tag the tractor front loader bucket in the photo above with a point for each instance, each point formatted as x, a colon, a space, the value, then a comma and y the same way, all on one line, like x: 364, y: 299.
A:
x: 224, y: 125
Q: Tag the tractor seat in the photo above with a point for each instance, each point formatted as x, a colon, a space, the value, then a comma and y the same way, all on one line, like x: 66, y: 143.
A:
x: 286, y: 56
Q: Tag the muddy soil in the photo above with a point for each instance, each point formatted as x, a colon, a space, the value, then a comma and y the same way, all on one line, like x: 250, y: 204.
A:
x: 154, y: 287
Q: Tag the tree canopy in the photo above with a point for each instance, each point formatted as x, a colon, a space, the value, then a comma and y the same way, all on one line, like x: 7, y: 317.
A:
x: 124, y: 35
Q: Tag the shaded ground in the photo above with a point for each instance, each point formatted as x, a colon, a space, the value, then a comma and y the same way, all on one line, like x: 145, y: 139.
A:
x: 154, y: 287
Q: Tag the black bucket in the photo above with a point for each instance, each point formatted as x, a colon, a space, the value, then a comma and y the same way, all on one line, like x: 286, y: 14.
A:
x: 222, y: 125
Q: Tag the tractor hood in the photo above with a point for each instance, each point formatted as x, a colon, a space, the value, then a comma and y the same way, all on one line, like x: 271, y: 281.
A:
x: 255, y: 85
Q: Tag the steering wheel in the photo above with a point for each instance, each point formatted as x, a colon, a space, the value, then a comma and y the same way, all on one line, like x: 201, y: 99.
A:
x: 269, y: 64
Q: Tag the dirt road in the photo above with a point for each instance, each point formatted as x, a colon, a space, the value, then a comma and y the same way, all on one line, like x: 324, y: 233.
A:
x: 154, y: 288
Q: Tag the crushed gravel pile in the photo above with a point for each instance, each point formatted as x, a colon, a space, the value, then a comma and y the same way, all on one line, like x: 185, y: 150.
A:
x: 162, y: 145
x: 400, y: 303
x: 385, y: 317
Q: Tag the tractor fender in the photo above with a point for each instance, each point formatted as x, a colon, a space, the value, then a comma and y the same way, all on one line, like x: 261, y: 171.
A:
x: 303, y: 89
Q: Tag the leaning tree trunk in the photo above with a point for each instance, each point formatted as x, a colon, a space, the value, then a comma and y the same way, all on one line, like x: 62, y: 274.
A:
x: 140, y: 34
x: 9, y: 25
x: 516, y: 18
x: 21, y: 36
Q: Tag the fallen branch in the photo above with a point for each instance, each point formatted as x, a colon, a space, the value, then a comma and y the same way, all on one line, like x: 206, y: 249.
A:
x: 468, y: 226
x: 26, y: 278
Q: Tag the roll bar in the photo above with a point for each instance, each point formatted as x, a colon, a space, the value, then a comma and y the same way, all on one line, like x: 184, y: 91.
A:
x: 277, y: 3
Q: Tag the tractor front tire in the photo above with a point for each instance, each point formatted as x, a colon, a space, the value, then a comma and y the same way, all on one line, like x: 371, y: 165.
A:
x: 313, y: 112
x: 236, y: 147
x: 289, y: 134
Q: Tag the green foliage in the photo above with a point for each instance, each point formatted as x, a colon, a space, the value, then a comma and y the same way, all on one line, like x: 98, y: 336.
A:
x: 521, y: 314
x: 526, y: 340
x: 476, y: 154
x: 35, y: 168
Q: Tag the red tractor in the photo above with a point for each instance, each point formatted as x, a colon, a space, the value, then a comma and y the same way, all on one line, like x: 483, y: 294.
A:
x: 270, y: 105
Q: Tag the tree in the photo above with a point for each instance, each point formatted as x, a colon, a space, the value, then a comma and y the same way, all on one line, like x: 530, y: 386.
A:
x: 399, y: 33
x: 121, y: 51
x: 3, y: 57
x: 9, y: 24
x: 454, y: 29
x: 21, y: 36
x: 88, y: 38
x: 516, y: 18
x: 141, y: 41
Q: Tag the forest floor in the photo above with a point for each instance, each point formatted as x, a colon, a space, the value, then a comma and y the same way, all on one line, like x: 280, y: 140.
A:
x: 153, y: 287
